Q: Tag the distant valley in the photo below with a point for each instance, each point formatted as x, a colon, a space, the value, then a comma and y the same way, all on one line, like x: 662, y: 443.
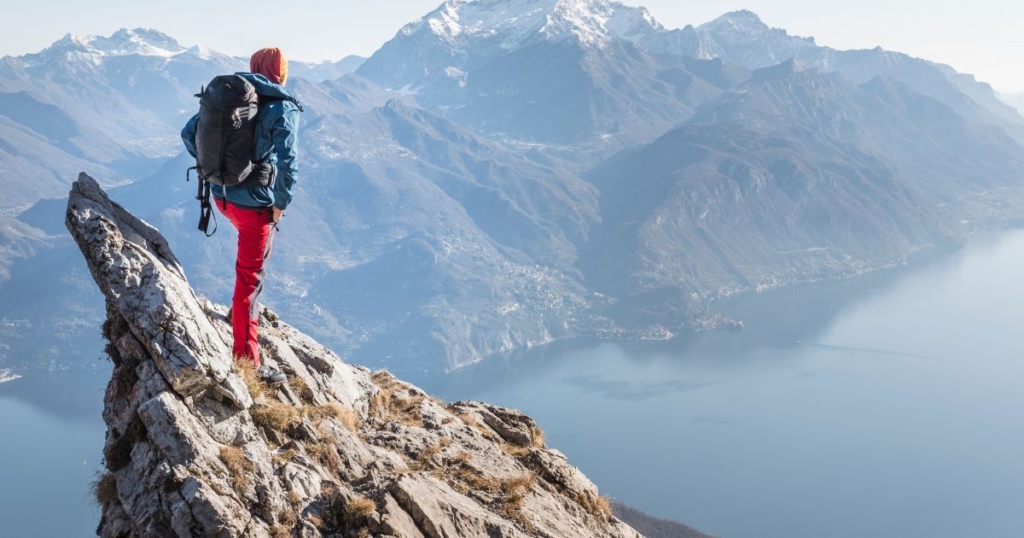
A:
x: 474, y: 189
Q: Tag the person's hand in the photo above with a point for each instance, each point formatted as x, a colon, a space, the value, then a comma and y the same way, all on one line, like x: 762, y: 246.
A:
x: 277, y: 214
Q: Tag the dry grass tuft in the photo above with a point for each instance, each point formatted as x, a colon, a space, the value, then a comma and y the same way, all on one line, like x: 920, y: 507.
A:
x: 359, y: 510
x: 285, y: 456
x: 445, y: 442
x: 105, y: 490
x: 316, y: 522
x: 470, y: 420
x: 518, y: 484
x: 538, y: 437
x: 275, y: 415
x: 327, y: 455
x: 396, y: 401
x: 596, y: 505
x: 346, y: 415
x: 469, y: 479
x: 238, y: 465
x: 425, y: 459
x: 344, y: 515
x: 517, y: 452
x: 514, y: 491
x: 288, y: 518
x: 302, y: 390
x: 246, y: 369
x: 280, y: 531
x: 462, y: 457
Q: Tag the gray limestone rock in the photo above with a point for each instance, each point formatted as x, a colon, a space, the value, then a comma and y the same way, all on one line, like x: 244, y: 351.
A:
x: 197, y: 447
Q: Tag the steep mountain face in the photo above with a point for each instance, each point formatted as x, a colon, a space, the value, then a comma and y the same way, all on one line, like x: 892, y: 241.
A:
x: 739, y: 37
x: 464, y: 35
x: 32, y: 162
x: 720, y: 209
x: 120, y: 85
x: 795, y: 176
x: 743, y: 39
x: 113, y: 105
x: 569, y: 72
x: 197, y: 447
x: 936, y: 151
x: 18, y: 241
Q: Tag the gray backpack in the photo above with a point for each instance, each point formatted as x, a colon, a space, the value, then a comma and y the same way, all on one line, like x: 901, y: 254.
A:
x: 225, y: 131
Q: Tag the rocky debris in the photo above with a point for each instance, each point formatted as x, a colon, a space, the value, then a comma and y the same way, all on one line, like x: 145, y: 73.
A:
x: 197, y: 446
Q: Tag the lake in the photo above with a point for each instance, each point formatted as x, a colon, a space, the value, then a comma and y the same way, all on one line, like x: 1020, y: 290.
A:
x: 51, y: 449
x: 889, y: 405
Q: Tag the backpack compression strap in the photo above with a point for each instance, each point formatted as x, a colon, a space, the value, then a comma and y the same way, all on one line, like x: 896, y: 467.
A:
x: 205, y: 209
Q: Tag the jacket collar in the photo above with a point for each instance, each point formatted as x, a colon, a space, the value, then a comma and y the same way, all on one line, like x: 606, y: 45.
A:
x: 266, y: 88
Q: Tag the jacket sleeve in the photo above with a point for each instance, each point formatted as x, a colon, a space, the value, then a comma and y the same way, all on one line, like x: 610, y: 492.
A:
x: 188, y: 135
x: 285, y: 138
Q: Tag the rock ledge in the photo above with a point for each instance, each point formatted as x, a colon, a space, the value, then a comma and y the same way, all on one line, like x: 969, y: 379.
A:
x: 197, y: 446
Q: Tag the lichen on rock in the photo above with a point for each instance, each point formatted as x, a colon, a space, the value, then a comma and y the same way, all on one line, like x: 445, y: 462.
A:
x: 196, y: 446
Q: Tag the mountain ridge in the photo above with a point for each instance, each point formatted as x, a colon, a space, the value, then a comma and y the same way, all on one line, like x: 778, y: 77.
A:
x: 458, y: 220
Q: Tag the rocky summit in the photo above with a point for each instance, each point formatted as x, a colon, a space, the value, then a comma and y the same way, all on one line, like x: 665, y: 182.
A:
x: 198, y: 446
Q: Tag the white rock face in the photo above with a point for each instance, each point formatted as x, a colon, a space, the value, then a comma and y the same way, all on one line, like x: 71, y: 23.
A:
x: 193, y: 449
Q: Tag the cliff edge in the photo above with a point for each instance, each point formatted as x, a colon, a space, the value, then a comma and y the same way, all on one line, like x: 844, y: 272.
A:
x: 197, y: 446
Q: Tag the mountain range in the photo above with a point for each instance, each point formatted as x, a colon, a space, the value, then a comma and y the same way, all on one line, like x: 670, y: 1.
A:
x: 1015, y: 100
x: 503, y: 174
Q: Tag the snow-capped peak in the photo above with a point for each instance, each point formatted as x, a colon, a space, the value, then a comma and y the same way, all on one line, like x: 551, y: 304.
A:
x: 745, y: 26
x: 517, y: 22
x: 124, y: 42
x: 201, y: 51
x: 142, y: 41
x: 742, y: 20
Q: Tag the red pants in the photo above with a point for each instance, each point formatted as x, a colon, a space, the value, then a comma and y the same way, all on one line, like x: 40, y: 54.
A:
x: 255, y: 237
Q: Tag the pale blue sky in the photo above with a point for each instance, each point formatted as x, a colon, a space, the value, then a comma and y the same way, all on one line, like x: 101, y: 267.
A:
x: 983, y: 37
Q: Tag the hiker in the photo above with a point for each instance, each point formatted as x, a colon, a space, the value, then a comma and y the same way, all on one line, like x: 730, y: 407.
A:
x: 255, y: 206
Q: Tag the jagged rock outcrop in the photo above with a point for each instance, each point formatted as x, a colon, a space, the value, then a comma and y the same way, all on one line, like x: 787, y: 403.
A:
x: 197, y: 446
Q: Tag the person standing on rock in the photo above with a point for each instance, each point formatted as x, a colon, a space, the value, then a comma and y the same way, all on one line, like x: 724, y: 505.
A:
x: 256, y: 205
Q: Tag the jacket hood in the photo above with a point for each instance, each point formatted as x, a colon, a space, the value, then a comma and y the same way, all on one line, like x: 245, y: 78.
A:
x: 266, y: 88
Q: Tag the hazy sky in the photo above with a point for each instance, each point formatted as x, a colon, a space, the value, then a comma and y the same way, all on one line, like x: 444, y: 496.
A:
x: 983, y: 37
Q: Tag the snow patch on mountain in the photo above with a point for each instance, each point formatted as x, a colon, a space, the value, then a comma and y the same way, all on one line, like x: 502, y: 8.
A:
x: 142, y: 41
x: 746, y: 40
x: 518, y: 22
x: 202, y: 52
x: 124, y: 42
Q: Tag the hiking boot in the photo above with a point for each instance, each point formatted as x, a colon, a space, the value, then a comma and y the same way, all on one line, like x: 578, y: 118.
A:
x: 271, y: 376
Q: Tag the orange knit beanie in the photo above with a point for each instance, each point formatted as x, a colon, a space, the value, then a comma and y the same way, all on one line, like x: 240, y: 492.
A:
x: 271, y: 63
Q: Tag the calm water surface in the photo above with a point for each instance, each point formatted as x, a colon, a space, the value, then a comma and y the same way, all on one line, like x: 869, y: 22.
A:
x: 887, y: 406
x: 51, y: 444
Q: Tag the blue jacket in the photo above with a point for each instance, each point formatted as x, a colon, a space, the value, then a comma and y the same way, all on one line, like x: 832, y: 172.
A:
x: 277, y: 124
